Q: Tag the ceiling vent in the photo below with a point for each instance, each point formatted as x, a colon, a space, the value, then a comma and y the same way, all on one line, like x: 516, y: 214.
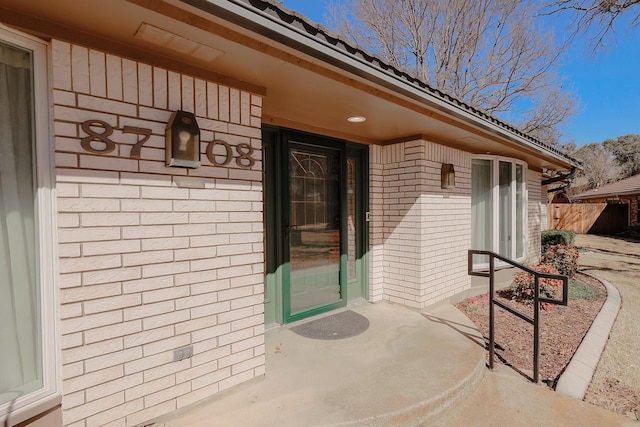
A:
x: 176, y: 43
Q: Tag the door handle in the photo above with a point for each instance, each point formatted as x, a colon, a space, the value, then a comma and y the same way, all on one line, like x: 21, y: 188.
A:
x: 288, y: 229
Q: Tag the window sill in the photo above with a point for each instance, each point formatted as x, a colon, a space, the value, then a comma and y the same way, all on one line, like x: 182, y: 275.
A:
x: 35, y: 413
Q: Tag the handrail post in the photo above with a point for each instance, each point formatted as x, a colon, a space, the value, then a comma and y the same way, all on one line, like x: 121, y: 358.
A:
x: 536, y: 329
x: 491, y: 314
x: 535, y: 320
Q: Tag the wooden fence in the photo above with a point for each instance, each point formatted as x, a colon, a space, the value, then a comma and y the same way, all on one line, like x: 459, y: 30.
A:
x: 588, y: 218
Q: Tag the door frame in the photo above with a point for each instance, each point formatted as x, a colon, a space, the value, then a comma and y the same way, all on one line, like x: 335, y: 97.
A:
x: 276, y: 206
x: 361, y: 154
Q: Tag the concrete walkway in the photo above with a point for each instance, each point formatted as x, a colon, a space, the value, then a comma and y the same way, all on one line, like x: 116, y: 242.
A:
x: 505, y: 399
x: 407, y: 369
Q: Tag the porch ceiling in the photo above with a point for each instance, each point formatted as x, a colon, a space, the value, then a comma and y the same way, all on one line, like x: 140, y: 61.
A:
x: 302, y: 91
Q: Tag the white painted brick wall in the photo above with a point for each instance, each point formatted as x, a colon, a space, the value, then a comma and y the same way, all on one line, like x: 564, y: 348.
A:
x: 153, y: 258
x: 537, y: 214
x: 376, y: 235
x: 420, y: 233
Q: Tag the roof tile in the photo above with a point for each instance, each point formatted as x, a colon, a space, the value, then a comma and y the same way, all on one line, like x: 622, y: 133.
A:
x: 625, y: 186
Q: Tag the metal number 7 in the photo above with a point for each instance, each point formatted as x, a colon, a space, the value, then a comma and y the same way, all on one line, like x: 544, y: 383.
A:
x: 146, y: 134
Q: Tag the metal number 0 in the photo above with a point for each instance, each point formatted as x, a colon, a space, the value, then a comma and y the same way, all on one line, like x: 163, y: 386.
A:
x: 212, y: 157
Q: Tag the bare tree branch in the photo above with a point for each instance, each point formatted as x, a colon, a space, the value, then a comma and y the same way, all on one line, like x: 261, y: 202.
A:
x: 596, y: 17
x: 491, y: 54
x: 599, y: 167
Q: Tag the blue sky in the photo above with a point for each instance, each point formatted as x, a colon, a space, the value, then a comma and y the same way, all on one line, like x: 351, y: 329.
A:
x: 607, y: 82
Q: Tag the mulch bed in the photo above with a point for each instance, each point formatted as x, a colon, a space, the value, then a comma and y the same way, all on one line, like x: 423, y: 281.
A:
x: 561, y: 329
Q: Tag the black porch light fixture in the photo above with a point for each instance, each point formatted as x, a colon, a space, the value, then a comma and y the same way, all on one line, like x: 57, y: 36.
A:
x: 182, y: 141
x: 448, y: 176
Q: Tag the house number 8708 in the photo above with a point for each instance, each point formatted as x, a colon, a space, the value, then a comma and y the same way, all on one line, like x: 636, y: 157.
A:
x: 100, y: 131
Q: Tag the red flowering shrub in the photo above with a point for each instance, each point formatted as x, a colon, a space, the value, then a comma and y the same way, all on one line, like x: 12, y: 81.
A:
x: 478, y: 304
x: 479, y: 300
x: 563, y: 257
x: 521, y: 288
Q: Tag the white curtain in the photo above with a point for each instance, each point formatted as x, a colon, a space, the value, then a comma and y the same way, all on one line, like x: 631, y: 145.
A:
x: 20, y: 364
x: 520, y: 206
x: 481, y: 206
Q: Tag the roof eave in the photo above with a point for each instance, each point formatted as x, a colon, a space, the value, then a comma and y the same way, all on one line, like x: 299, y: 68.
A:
x: 246, y: 14
x: 607, y: 195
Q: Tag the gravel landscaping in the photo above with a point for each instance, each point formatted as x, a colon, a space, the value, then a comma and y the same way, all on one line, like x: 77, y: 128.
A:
x: 616, y: 382
x: 561, y: 328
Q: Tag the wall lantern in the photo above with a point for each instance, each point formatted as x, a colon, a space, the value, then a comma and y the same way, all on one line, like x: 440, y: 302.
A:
x: 182, y: 141
x: 448, y: 176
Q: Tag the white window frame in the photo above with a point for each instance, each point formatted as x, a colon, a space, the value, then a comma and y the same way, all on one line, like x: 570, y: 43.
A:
x: 31, y: 404
x: 496, y: 200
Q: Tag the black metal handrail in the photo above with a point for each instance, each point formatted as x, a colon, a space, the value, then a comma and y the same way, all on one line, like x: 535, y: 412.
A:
x: 537, y: 299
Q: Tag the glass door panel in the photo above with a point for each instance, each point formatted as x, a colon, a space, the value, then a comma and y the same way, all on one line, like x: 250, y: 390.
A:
x: 314, y: 228
x: 505, y: 214
x: 20, y: 298
x: 482, y: 207
x: 352, y: 236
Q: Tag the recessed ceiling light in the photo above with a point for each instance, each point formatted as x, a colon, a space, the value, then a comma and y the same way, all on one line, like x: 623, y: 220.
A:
x: 356, y: 119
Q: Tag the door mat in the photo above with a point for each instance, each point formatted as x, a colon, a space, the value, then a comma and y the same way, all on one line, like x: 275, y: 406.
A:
x: 335, y: 327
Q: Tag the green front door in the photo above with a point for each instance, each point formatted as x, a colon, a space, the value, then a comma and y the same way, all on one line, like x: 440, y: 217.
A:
x: 314, y: 222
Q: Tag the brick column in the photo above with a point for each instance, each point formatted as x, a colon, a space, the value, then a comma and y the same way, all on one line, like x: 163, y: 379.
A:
x: 426, y: 230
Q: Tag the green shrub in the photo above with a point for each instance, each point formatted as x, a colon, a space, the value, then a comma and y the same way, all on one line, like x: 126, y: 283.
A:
x: 579, y: 290
x: 563, y: 257
x: 522, y: 287
x: 632, y: 232
x: 557, y: 237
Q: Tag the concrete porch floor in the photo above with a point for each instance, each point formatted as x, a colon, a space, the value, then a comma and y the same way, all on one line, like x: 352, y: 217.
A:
x: 408, y: 368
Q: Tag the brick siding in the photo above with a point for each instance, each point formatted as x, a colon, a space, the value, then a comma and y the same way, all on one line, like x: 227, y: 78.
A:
x: 153, y: 258
x: 420, y: 233
x: 537, y: 214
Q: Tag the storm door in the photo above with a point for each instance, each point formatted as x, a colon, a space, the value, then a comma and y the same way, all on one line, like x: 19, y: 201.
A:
x: 314, y: 224
x: 313, y: 228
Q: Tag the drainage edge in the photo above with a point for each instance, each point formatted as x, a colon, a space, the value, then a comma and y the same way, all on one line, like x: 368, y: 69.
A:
x: 576, y: 378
